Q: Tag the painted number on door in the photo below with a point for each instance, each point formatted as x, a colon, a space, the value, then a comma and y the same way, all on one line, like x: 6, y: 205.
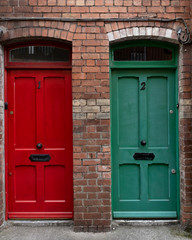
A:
x: 143, y: 84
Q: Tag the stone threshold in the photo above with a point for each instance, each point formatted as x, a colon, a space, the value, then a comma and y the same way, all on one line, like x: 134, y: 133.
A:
x: 69, y: 223
x: 125, y: 222
x: 39, y: 223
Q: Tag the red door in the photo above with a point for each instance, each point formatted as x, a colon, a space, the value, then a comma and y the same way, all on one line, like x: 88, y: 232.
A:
x: 39, y: 144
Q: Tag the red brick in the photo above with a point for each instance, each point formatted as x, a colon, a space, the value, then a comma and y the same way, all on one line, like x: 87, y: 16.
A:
x: 99, y: 2
x: 61, y: 2
x: 90, y: 69
x: 4, y: 2
x: 106, y: 175
x: 117, y: 9
x: 165, y: 2
x: 137, y: 2
x: 80, y: 9
x: 99, y: 9
x: 156, y: 3
x: 79, y: 155
x: 41, y: 9
x: 92, y: 189
x: 59, y: 9
x: 6, y: 9
x: 91, y: 202
x: 33, y: 2
x: 91, y: 175
x: 147, y: 2
x: 91, y: 148
x: 137, y: 9
x: 51, y: 2
x: 174, y: 9
x: 155, y: 9
x: 104, y: 168
x: 90, y: 56
x: 42, y: 2
x: 77, y: 189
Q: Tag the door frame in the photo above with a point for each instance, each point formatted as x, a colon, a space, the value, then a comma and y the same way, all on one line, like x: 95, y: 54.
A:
x: 31, y: 65
x: 170, y: 64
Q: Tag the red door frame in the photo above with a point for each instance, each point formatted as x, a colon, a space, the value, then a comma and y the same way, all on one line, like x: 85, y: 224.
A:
x: 32, y: 65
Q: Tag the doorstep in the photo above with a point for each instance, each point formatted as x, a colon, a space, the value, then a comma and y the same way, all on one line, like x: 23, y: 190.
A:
x: 39, y: 223
x: 125, y: 222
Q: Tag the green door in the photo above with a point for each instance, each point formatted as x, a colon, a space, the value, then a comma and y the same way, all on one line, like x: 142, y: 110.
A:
x: 144, y: 143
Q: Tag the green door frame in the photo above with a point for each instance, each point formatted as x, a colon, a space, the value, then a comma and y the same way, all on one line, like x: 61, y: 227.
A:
x: 170, y: 64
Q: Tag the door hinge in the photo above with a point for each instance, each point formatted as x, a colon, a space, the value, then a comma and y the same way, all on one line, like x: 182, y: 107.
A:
x: 6, y: 105
x: 177, y: 105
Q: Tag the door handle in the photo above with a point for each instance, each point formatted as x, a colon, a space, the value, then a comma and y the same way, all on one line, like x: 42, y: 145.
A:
x: 39, y: 145
x: 143, y: 142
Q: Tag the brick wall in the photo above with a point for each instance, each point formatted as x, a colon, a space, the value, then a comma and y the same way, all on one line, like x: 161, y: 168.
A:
x: 90, y: 80
x: 95, y: 8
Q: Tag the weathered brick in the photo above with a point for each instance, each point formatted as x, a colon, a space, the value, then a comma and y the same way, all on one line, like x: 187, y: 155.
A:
x: 103, y: 102
x: 105, y: 109
x: 111, y: 36
x: 79, y: 116
x: 103, y: 115
x: 33, y: 2
x: 93, y: 109
x: 91, y: 102
x: 51, y: 2
x: 137, y: 2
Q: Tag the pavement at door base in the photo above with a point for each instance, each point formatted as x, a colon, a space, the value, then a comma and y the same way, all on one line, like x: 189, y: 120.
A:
x: 118, y: 233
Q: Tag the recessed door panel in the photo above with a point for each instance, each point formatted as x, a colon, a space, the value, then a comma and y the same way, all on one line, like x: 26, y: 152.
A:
x: 24, y: 111
x: 25, y: 183
x: 55, y: 180
x: 158, y: 109
x: 129, y: 182
x: 143, y: 143
x: 128, y: 99
x: 40, y: 144
x: 54, y: 108
x: 158, y: 175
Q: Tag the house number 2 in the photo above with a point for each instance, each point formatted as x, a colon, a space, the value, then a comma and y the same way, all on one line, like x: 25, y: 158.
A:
x: 143, y: 84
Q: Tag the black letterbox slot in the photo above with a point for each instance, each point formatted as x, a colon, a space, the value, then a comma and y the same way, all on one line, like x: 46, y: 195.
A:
x: 40, y: 157
x: 144, y: 156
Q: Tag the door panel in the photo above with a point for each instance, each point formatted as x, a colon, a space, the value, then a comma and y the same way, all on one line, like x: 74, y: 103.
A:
x: 128, y: 99
x: 54, y: 176
x: 25, y: 102
x: 54, y: 109
x: 143, y: 123
x: 158, y: 175
x: 25, y: 183
x: 40, y: 111
x: 158, y: 107
x: 129, y: 174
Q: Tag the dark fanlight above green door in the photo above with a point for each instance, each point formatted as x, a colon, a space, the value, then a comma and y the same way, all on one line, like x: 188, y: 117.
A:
x: 143, y: 54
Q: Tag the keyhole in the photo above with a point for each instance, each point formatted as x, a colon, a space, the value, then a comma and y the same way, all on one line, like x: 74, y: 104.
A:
x: 143, y: 84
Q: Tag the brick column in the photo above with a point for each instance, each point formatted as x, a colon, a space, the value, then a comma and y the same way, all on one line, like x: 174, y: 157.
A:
x: 91, y: 128
x: 185, y: 123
